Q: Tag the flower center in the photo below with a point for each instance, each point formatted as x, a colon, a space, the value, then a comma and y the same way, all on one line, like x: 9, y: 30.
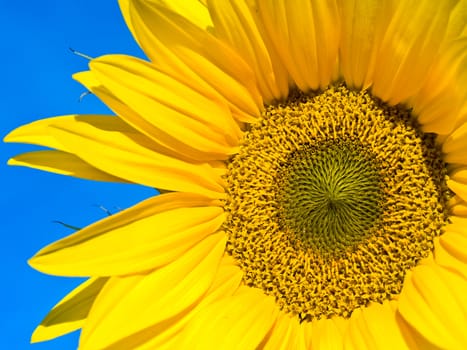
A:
x: 329, y: 194
x: 332, y: 198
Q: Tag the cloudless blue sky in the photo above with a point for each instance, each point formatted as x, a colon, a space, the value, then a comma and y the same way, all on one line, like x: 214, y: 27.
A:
x: 36, y: 83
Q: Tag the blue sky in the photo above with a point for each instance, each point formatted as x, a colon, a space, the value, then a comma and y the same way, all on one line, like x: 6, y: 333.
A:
x: 36, y: 83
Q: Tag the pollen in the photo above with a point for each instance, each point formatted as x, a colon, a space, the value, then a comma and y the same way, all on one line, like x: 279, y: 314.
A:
x: 332, y: 198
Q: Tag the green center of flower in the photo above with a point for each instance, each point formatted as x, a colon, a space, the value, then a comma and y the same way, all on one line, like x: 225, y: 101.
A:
x: 330, y: 194
x: 332, y: 198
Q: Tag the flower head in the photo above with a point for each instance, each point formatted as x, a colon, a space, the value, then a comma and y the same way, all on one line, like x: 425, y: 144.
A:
x: 312, y: 160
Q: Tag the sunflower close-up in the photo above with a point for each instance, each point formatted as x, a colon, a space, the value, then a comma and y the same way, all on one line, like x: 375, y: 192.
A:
x: 311, y: 159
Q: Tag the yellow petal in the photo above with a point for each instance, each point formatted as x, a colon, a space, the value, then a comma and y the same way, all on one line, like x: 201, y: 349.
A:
x: 282, y: 76
x: 357, y: 335
x: 169, y: 104
x: 409, y: 47
x: 458, y: 188
x: 195, y: 10
x: 457, y: 26
x: 115, y: 148
x: 203, y: 62
x: 37, y: 133
x: 164, y: 335
x: 307, y: 334
x: 326, y: 335
x: 62, y: 163
x: 226, y: 282
x: 411, y: 335
x: 156, y: 297
x: 125, y: 10
x: 285, y: 334
x: 459, y: 174
x: 451, y: 251
x: 40, y: 133
x: 369, y: 328
x: 306, y: 36
x: 457, y: 207
x: 458, y: 224
x: 433, y: 302
x: 236, y: 24
x: 363, y: 25
x: 455, y: 146
x: 163, y: 142
x: 148, y: 235
x: 240, y: 321
x: 112, y: 131
x: 70, y: 313
x: 438, y: 105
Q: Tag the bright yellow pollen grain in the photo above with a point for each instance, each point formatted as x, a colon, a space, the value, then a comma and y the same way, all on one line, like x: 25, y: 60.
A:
x: 304, y: 281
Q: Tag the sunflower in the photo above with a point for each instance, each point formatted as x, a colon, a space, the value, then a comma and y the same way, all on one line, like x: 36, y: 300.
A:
x: 311, y: 159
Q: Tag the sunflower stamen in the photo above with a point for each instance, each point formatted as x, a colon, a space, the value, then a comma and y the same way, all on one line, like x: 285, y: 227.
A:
x: 333, y: 197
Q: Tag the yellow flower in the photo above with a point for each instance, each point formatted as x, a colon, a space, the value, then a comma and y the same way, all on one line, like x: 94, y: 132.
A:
x: 312, y: 156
